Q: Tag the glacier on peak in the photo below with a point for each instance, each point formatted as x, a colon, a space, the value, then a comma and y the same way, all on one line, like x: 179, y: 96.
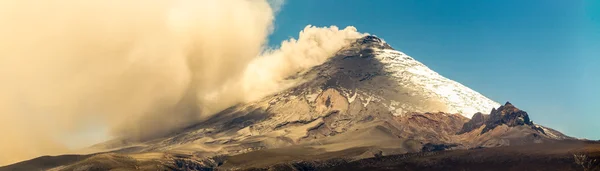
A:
x: 406, y: 70
x: 460, y: 98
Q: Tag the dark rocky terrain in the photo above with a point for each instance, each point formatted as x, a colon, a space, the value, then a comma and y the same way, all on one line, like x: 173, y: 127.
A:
x: 547, y: 156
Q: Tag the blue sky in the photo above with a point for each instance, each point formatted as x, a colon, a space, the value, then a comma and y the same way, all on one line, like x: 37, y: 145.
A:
x: 541, y: 55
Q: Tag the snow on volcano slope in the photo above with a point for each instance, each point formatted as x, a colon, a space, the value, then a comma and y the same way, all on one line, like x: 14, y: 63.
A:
x: 417, y: 80
x: 458, y: 97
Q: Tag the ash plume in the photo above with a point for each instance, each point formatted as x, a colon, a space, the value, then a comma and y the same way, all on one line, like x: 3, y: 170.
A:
x: 139, y: 68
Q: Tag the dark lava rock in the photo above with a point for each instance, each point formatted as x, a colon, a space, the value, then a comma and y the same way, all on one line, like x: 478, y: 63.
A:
x: 429, y: 147
x: 509, y: 115
x: 373, y: 41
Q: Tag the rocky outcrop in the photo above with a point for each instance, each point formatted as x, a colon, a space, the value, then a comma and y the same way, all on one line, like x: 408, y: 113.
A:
x: 476, y: 121
x: 508, y: 115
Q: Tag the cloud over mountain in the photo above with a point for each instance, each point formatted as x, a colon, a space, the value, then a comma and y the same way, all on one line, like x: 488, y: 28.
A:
x: 138, y: 68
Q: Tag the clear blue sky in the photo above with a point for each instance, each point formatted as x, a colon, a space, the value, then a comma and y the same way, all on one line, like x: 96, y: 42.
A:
x: 541, y: 55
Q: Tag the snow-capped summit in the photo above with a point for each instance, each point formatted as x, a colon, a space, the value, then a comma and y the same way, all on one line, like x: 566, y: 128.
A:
x: 422, y: 83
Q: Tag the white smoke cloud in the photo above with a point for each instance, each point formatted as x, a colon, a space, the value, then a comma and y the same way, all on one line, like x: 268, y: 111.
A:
x: 141, y: 68
x: 313, y: 47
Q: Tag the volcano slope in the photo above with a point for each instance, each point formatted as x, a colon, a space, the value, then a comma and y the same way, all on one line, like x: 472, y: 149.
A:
x: 368, y: 101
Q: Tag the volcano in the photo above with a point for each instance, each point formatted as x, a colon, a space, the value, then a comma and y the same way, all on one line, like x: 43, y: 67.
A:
x: 366, y: 105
